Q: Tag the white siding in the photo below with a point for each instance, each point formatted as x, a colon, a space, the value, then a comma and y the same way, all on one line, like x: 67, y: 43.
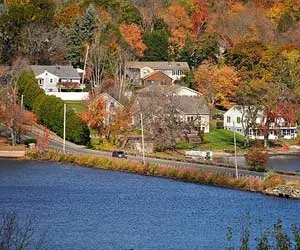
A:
x: 48, y: 82
x: 233, y: 121
x: 145, y: 71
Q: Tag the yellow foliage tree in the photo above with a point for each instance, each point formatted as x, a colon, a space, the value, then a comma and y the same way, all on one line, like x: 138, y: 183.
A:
x: 218, y: 84
x: 133, y: 36
x: 179, y: 24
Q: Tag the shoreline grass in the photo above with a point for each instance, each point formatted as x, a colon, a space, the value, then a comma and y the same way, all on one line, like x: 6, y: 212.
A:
x: 191, y: 175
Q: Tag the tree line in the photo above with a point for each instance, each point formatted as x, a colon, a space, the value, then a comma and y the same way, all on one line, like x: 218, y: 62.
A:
x: 240, y: 52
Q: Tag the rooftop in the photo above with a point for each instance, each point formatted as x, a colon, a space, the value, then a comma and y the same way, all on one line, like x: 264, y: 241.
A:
x: 159, y: 65
x: 62, y: 71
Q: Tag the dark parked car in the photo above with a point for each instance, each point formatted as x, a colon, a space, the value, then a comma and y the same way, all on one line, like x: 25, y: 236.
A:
x: 119, y: 154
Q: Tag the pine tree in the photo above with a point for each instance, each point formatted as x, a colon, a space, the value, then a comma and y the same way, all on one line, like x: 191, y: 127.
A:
x: 81, y: 33
x: 89, y: 24
x: 74, y: 42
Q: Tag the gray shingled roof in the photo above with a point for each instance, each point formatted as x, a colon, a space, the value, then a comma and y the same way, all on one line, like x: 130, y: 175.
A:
x: 158, y: 88
x: 184, y: 104
x: 62, y: 71
x: 191, y: 104
x: 159, y: 65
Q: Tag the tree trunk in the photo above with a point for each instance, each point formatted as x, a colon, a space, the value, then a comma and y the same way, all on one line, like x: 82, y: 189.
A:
x: 266, y: 140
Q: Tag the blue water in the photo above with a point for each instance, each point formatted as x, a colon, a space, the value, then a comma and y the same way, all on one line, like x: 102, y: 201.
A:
x: 278, y: 162
x: 84, y: 208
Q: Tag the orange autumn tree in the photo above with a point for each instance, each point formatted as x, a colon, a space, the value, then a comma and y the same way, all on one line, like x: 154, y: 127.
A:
x: 133, y: 36
x: 180, y: 26
x: 118, y: 121
x: 199, y: 15
x: 107, y: 120
x: 95, y: 115
x: 43, y: 140
x: 218, y: 84
x: 14, y: 118
x: 66, y: 15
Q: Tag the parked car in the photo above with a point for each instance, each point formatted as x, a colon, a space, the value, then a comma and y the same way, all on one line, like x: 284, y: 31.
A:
x: 119, y: 154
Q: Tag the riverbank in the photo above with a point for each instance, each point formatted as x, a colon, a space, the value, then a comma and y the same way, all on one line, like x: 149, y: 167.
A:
x: 7, y: 151
x: 187, y: 174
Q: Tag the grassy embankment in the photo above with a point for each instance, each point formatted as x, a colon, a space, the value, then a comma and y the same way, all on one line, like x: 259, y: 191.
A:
x: 216, y: 139
x: 192, y: 175
x: 77, y: 106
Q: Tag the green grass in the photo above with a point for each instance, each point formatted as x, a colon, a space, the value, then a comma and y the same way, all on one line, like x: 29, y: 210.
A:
x: 221, y: 139
x: 77, y: 106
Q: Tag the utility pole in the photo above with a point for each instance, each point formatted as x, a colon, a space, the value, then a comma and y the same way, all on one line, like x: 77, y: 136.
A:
x: 22, y: 102
x: 143, y: 142
x: 85, y: 61
x: 64, y: 142
x: 235, y: 157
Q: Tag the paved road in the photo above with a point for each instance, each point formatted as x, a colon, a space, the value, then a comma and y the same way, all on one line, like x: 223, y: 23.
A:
x: 57, y: 143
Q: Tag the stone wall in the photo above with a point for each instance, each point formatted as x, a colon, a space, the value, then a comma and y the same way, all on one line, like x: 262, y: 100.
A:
x: 284, y: 191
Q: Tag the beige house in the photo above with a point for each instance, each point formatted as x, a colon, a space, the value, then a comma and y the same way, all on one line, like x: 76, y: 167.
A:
x: 136, y: 71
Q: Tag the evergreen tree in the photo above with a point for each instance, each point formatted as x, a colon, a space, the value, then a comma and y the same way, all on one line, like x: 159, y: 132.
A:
x: 88, y: 24
x: 157, y: 43
x: 74, y: 42
x: 81, y: 33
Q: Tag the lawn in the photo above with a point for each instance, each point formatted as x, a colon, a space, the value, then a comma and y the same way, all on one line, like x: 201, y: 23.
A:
x: 77, y: 106
x: 221, y: 139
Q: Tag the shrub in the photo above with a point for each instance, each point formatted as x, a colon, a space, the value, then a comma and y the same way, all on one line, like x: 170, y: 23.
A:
x: 49, y: 110
x: 219, y: 125
x: 28, y: 86
x: 257, y: 159
x: 298, y: 141
x: 30, y: 140
x: 273, y: 181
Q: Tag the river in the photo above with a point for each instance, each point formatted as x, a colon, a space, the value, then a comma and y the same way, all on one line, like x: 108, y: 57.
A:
x: 83, y: 208
x: 277, y: 162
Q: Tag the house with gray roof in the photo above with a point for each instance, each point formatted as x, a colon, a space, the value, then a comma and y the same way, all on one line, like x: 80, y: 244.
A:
x: 189, y: 105
x: 137, y: 71
x: 58, y: 78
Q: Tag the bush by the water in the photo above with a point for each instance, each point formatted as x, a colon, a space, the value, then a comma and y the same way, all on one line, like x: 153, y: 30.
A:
x: 30, y: 140
x: 257, y: 159
x: 49, y: 110
x: 276, y: 238
x: 186, y: 174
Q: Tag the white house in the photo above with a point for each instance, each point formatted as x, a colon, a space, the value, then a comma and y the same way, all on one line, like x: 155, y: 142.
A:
x: 136, y: 71
x: 61, y: 81
x: 57, y: 78
x: 235, y: 119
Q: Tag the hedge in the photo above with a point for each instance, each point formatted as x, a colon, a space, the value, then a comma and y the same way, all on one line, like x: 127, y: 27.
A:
x: 49, y: 110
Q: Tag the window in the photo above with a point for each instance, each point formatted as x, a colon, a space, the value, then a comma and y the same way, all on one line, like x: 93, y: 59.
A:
x: 51, y: 80
x: 190, y: 118
x: 238, y: 120
x: 228, y: 119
